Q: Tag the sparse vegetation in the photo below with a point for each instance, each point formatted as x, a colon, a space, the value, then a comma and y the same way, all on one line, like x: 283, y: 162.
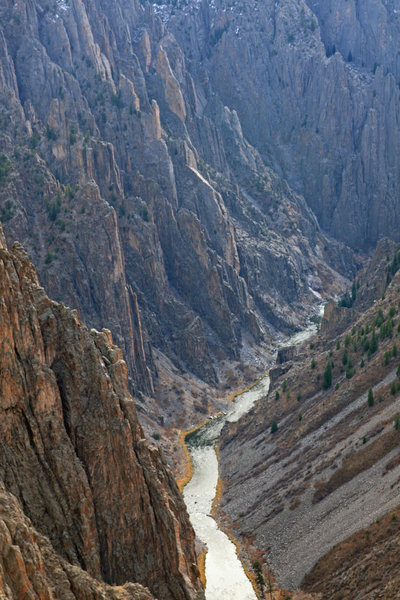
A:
x: 259, y: 576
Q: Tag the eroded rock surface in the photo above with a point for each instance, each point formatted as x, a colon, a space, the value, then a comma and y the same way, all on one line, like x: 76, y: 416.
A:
x: 315, y: 88
x: 73, y: 453
x: 30, y: 568
x: 138, y: 197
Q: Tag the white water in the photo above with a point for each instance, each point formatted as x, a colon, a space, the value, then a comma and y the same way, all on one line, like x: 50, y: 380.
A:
x: 226, y: 579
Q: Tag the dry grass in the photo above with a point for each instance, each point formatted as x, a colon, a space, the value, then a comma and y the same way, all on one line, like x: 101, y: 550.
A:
x: 202, y: 567
x: 368, y: 560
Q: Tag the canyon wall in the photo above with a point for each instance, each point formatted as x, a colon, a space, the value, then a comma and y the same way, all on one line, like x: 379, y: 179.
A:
x: 137, y: 196
x: 73, y: 454
x: 315, y: 85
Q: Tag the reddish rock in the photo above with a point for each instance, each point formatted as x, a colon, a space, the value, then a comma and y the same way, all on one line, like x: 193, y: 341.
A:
x: 73, y: 452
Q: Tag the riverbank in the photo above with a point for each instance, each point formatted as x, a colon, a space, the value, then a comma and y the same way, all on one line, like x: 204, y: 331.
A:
x: 226, y: 576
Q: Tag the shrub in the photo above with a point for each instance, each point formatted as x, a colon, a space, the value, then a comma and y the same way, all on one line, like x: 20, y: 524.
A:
x: 396, y: 423
x: 394, y: 388
x: 5, y: 167
x: 374, y: 342
x: 145, y: 214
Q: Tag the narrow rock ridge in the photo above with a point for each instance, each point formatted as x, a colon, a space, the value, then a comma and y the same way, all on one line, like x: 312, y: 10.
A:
x: 73, y: 453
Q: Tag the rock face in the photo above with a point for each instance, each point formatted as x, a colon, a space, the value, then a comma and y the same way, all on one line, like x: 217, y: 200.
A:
x: 30, y: 568
x: 73, y: 454
x: 315, y: 88
x: 332, y: 467
x: 131, y: 184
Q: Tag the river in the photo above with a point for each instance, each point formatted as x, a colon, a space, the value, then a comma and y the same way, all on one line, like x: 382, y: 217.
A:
x: 226, y: 578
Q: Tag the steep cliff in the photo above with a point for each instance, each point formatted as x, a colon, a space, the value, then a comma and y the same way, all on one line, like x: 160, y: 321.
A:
x: 73, y: 454
x: 137, y: 196
x: 315, y: 85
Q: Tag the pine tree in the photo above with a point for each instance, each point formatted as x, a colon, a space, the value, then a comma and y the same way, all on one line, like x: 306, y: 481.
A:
x: 370, y: 397
x: 327, y: 380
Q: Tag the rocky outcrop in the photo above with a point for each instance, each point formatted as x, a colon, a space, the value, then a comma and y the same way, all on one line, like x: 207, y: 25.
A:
x: 137, y: 195
x: 73, y: 452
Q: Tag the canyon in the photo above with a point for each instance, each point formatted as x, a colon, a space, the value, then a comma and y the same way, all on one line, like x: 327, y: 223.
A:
x: 188, y: 180
x: 318, y: 483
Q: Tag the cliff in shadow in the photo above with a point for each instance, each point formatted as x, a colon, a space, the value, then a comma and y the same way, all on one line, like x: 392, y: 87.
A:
x: 315, y: 86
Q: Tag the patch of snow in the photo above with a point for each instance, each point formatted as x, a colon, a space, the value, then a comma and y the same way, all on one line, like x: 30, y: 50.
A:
x: 62, y: 5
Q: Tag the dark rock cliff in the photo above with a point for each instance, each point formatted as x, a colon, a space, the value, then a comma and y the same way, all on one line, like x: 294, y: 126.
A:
x: 73, y: 453
x: 131, y: 185
x: 315, y: 85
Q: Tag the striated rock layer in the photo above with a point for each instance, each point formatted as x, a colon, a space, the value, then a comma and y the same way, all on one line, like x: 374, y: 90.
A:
x: 73, y: 454
x: 30, y: 568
